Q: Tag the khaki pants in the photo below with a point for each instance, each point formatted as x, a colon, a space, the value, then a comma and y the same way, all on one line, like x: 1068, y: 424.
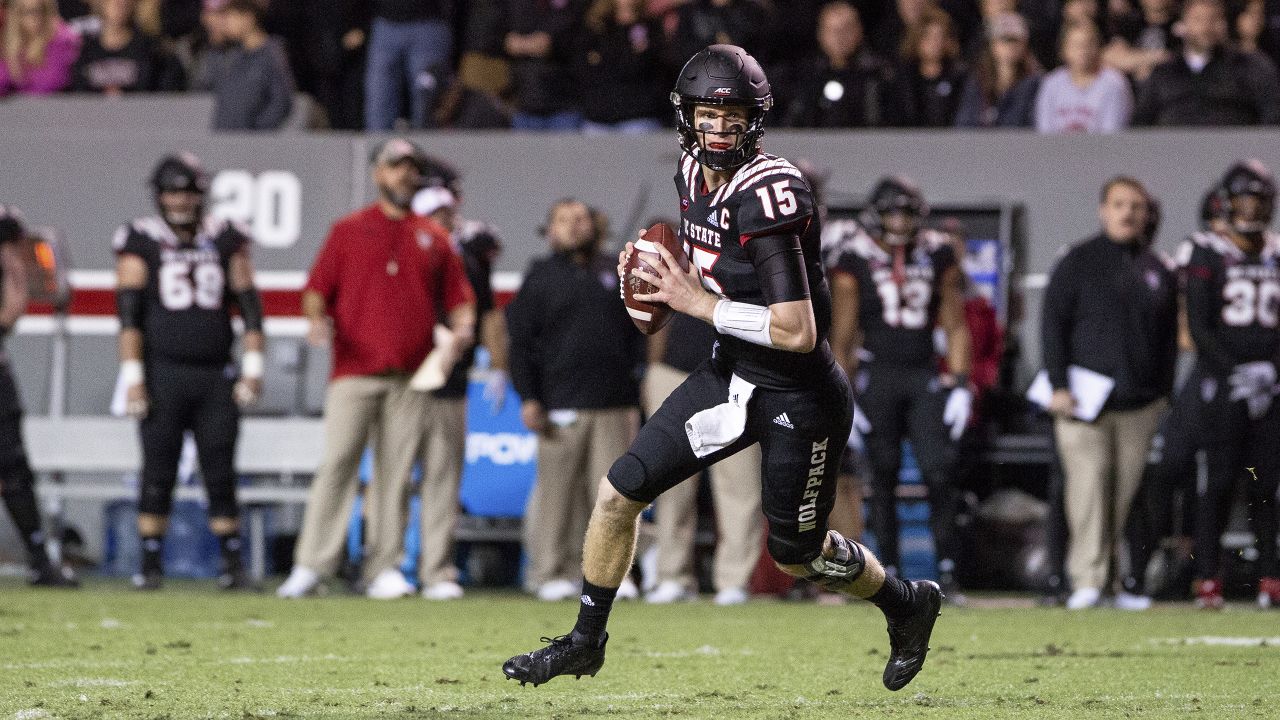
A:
x: 571, y: 461
x: 444, y: 442
x: 735, y: 492
x: 356, y: 409
x: 1103, y: 462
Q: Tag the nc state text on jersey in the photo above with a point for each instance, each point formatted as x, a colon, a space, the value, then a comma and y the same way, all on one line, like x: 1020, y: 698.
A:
x: 193, y: 256
x: 700, y: 234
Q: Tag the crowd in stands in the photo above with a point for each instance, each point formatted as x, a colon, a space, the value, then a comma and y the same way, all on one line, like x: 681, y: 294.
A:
x: 604, y: 65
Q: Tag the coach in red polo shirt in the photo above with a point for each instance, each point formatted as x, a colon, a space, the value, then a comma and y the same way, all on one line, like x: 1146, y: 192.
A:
x: 382, y: 281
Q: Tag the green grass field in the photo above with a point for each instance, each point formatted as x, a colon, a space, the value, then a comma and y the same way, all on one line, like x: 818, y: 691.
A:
x: 187, y: 652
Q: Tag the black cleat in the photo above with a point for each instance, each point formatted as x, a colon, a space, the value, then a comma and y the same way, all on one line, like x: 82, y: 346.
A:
x: 148, y: 581
x: 909, y: 636
x: 237, y: 581
x: 564, y: 655
x: 54, y: 576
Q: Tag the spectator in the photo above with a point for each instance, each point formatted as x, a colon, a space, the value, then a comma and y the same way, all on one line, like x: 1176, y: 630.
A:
x: 205, y: 49
x: 1250, y: 26
x: 932, y: 71
x: 699, y: 23
x: 580, y: 395
x: 1083, y: 96
x: 17, y: 481
x: 120, y: 58
x: 381, y: 282
x: 539, y: 42
x: 1110, y: 307
x: 39, y: 49
x: 253, y: 89
x: 1143, y: 39
x: 1001, y: 90
x: 735, y: 485
x: 444, y: 432
x: 410, y: 45
x: 1209, y: 83
x: 846, y: 85
x: 618, y: 60
x: 889, y: 35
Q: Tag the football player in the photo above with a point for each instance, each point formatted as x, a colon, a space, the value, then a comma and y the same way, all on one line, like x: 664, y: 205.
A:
x: 1233, y: 313
x: 747, y: 222
x: 892, y: 284
x: 17, y: 482
x: 178, y: 274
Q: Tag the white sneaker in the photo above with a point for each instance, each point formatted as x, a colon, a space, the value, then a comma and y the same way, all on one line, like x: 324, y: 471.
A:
x: 627, y: 590
x: 447, y: 590
x: 1085, y: 597
x: 669, y: 591
x: 1129, y: 601
x: 389, y: 585
x: 300, y: 583
x: 732, y: 596
x: 557, y: 590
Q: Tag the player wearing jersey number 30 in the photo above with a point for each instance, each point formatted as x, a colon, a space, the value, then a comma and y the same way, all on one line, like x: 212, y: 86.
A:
x: 747, y: 220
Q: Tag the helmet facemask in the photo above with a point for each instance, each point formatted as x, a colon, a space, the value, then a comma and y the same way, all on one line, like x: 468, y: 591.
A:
x: 748, y: 140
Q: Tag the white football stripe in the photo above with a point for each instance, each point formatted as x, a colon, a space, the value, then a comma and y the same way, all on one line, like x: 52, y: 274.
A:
x: 639, y: 314
x: 647, y: 246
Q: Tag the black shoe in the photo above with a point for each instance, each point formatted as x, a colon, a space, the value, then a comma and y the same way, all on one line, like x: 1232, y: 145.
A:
x: 564, y: 655
x: 909, y: 636
x: 148, y: 580
x: 57, y: 576
x: 237, y: 580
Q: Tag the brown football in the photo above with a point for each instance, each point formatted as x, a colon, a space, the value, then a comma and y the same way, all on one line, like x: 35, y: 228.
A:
x: 650, y: 317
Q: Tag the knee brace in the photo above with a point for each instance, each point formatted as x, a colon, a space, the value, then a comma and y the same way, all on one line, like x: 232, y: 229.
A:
x: 837, y: 573
x: 628, y: 475
x: 156, y: 497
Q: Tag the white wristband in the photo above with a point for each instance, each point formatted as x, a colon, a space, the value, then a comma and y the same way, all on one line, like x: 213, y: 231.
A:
x: 252, y: 364
x: 743, y: 321
x: 131, y: 373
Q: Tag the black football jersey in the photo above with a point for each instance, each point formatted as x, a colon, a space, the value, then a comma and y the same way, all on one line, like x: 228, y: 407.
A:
x: 1233, y: 298
x: 766, y: 196
x: 897, y: 315
x: 187, y: 316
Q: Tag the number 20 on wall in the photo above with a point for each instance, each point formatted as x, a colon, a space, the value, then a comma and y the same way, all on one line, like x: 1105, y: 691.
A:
x: 270, y: 203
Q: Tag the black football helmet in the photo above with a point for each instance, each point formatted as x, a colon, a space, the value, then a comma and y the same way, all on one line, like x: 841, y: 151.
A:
x: 890, y: 194
x: 722, y: 75
x: 180, y: 172
x: 1248, y: 177
x: 1211, y: 208
x: 11, y: 226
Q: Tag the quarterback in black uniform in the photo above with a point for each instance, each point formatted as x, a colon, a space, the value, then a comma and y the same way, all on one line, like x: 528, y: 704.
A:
x: 747, y: 222
x: 893, y: 283
x: 1233, y: 313
x: 17, y: 482
x: 177, y: 275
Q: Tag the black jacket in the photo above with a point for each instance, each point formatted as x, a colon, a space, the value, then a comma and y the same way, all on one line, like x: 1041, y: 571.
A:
x: 862, y: 94
x: 544, y: 85
x: 621, y: 73
x: 1235, y: 88
x: 573, y: 346
x: 1113, y: 309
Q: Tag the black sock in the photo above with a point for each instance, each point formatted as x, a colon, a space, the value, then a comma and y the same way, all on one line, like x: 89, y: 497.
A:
x: 894, y: 597
x: 20, y: 501
x: 593, y: 613
x: 230, y: 547
x: 152, y: 554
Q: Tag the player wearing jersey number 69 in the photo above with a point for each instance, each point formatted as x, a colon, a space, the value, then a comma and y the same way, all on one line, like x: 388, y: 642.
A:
x: 177, y: 275
x: 748, y: 221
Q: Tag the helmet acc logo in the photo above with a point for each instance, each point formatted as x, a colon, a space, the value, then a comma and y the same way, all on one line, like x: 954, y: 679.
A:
x: 722, y: 92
